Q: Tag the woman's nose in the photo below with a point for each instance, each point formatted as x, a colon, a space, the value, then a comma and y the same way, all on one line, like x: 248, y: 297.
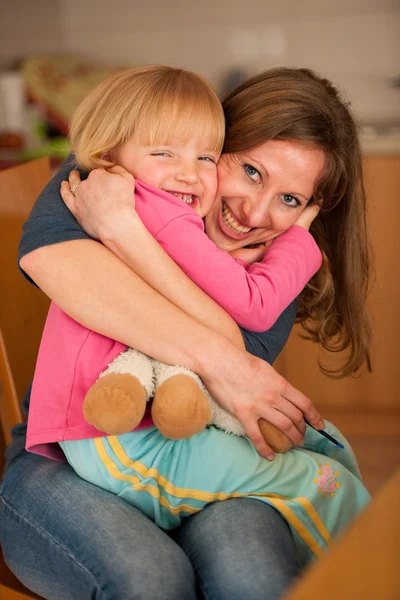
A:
x: 257, y: 211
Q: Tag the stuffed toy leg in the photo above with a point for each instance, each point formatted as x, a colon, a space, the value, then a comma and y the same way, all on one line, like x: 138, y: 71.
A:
x: 117, y: 401
x: 182, y: 407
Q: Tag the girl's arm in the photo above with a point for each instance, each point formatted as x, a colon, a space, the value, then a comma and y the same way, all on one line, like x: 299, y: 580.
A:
x: 254, y: 296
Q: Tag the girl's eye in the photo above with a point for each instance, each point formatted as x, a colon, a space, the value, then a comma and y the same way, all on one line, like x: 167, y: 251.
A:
x: 291, y: 200
x: 160, y: 154
x: 208, y: 159
x: 252, y: 172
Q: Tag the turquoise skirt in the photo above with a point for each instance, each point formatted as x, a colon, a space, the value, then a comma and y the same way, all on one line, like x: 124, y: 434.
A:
x: 317, y: 487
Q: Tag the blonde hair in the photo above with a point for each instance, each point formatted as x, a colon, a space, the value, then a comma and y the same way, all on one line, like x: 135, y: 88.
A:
x: 297, y: 105
x: 156, y: 104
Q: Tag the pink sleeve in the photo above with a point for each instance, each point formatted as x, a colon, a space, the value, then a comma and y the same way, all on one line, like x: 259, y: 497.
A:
x: 254, y: 296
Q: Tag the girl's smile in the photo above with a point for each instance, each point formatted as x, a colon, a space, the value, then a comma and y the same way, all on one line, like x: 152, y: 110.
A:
x: 185, y: 169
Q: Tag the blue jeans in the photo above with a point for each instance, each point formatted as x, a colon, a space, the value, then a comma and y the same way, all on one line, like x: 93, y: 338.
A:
x: 66, y: 539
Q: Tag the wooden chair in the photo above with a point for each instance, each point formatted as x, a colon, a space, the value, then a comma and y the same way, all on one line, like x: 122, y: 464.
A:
x: 23, y: 310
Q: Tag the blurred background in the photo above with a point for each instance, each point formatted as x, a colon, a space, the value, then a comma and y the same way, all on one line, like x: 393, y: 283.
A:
x: 53, y: 51
x: 62, y: 48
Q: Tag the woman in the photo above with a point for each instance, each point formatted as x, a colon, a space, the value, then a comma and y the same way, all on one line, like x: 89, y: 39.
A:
x: 258, y: 560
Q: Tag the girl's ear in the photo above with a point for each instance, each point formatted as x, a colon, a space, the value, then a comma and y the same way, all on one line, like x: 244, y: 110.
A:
x: 110, y: 157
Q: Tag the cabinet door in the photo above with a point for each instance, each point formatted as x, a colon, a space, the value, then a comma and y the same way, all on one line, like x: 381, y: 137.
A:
x: 381, y: 388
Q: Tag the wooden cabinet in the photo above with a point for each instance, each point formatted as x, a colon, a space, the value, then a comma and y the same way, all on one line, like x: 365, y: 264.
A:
x: 379, y: 390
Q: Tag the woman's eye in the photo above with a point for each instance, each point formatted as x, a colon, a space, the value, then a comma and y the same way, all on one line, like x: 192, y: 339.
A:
x: 252, y: 172
x: 290, y: 200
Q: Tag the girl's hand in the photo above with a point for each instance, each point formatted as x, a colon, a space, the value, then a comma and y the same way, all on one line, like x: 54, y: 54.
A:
x: 307, y: 216
x: 251, y: 255
x: 99, y: 200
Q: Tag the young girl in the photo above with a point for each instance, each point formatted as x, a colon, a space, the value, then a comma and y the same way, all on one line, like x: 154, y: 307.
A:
x: 143, y: 466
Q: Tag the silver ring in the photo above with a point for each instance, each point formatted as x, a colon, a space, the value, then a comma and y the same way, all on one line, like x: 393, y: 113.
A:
x: 74, y: 188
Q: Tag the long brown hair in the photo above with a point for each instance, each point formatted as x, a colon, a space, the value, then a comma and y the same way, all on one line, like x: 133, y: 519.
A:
x: 297, y: 105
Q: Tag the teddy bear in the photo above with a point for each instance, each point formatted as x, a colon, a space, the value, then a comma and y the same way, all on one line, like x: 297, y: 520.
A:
x: 181, y: 406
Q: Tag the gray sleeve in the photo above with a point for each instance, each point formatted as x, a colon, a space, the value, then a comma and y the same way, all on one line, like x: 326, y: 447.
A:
x: 269, y: 344
x: 50, y: 221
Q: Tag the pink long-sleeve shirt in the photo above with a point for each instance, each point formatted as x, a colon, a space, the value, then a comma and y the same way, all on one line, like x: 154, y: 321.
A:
x: 71, y: 357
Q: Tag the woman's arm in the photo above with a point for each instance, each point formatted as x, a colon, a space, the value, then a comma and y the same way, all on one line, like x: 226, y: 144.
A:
x: 140, y: 317
x: 50, y: 221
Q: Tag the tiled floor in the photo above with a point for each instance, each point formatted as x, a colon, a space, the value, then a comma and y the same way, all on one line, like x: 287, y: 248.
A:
x: 376, y: 441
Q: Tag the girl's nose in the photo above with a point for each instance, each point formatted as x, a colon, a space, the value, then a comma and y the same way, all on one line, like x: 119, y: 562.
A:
x: 188, y: 173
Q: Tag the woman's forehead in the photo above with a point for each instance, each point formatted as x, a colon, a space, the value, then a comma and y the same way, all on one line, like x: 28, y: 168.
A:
x: 288, y: 155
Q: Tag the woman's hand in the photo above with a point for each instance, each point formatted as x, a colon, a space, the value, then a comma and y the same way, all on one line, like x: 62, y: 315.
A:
x: 100, y: 200
x: 250, y: 389
x: 307, y: 216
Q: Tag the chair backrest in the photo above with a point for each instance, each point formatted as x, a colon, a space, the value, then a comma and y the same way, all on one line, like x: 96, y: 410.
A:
x: 23, y: 308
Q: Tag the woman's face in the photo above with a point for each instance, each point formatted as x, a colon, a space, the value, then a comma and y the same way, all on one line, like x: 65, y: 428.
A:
x: 261, y: 192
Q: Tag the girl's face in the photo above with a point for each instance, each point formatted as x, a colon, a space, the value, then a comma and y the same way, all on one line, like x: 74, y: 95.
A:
x: 261, y: 192
x: 187, y: 170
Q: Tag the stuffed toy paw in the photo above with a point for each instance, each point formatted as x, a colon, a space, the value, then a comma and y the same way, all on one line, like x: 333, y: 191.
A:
x: 116, y: 403
x: 182, y: 405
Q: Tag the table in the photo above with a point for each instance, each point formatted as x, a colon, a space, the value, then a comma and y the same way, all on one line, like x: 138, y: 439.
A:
x: 365, y: 562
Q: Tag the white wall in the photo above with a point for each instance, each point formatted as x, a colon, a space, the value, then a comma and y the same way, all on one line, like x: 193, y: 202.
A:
x: 356, y: 44
x: 29, y: 27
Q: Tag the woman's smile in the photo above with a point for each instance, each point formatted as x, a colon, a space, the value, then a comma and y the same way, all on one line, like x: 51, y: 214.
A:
x: 231, y: 223
x: 261, y: 192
